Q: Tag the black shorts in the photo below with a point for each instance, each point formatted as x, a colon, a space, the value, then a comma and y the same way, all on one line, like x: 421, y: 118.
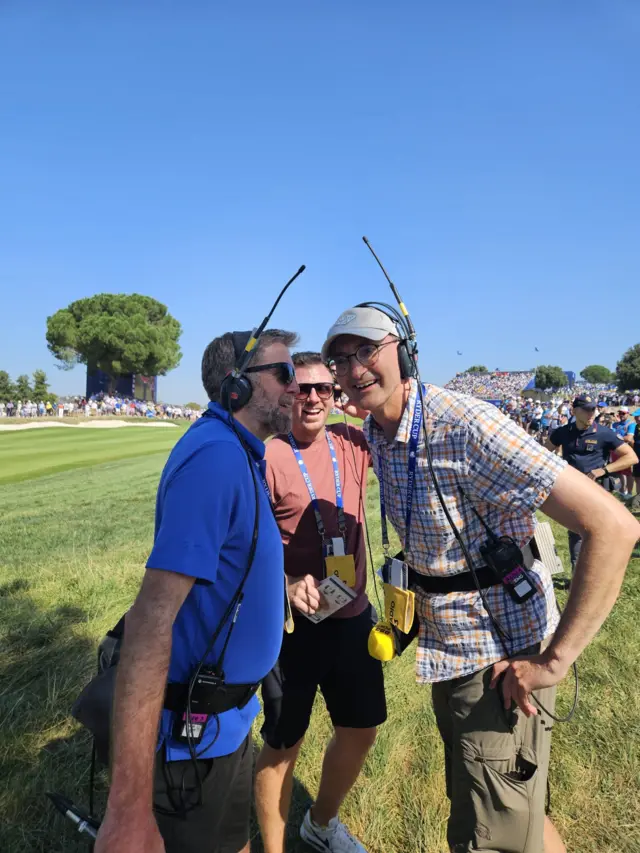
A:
x: 333, y: 656
x: 221, y: 823
x: 636, y: 470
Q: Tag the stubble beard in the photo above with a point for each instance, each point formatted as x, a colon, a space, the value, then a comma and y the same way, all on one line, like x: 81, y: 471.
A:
x: 271, y: 418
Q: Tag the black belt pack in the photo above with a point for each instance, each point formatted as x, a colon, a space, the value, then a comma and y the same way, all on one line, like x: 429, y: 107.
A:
x: 210, y: 695
x: 93, y: 707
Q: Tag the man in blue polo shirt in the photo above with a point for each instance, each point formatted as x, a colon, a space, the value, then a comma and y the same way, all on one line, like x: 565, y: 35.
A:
x: 188, y: 615
x: 586, y: 446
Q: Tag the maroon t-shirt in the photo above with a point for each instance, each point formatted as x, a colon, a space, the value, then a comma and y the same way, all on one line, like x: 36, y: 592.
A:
x: 294, y: 512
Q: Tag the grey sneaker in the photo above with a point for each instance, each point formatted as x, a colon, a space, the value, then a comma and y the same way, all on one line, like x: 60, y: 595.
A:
x: 334, y: 838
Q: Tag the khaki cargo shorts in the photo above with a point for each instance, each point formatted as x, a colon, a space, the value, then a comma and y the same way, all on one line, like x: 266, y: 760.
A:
x: 497, y: 764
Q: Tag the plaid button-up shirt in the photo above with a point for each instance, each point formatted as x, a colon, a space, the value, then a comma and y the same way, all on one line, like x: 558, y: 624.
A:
x: 506, y: 476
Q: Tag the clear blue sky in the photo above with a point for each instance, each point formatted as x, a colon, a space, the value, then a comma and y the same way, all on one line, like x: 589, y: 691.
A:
x: 199, y: 152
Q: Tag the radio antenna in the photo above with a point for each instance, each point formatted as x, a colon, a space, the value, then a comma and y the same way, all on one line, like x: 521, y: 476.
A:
x: 394, y: 290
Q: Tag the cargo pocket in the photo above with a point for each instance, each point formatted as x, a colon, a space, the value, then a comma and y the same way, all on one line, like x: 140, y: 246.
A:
x: 502, y: 777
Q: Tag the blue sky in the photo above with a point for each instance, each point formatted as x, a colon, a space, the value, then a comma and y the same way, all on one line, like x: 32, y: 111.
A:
x: 199, y: 152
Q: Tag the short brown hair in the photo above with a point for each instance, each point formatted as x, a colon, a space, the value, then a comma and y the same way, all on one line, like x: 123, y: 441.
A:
x: 307, y: 359
x: 220, y: 357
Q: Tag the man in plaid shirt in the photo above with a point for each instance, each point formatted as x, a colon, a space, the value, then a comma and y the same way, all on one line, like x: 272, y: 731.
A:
x: 496, y: 741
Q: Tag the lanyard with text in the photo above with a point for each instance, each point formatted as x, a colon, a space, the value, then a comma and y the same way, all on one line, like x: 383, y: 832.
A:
x: 399, y: 600
x: 312, y: 492
x: 414, y: 438
x: 337, y: 562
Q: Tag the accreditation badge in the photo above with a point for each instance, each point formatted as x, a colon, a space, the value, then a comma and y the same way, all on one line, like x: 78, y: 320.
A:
x: 342, y: 567
x: 399, y: 607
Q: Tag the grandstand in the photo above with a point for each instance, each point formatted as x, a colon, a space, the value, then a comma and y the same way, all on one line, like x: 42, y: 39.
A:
x: 132, y: 386
x: 493, y: 386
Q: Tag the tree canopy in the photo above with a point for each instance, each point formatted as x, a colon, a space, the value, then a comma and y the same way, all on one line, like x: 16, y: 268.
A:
x: 195, y: 406
x: 7, y: 388
x: 550, y: 376
x: 597, y: 374
x: 23, y: 389
x: 40, y: 388
x: 628, y: 369
x: 477, y: 368
x: 117, y: 333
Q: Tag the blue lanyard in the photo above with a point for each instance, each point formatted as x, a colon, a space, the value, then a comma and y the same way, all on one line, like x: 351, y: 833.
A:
x: 414, y: 438
x: 312, y: 492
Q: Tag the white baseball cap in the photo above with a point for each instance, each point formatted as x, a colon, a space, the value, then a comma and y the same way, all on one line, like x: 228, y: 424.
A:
x: 623, y: 409
x: 366, y: 323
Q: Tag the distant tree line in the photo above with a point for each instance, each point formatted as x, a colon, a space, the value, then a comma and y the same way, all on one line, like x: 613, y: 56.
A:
x: 626, y: 376
x: 34, y: 389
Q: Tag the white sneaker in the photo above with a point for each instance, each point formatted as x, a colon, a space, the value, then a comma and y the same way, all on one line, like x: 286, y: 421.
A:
x: 334, y: 838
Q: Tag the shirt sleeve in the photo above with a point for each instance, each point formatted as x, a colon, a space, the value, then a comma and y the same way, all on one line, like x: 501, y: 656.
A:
x: 506, y: 467
x: 612, y: 441
x: 556, y: 437
x: 197, y: 507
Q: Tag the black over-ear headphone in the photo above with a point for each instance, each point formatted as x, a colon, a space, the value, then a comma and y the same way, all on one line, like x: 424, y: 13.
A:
x: 407, y: 345
x: 236, y: 389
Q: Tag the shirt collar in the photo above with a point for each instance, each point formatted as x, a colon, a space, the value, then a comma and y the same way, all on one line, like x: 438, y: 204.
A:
x: 376, y: 434
x: 256, y: 446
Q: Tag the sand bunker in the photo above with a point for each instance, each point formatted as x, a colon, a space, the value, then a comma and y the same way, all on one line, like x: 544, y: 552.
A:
x: 105, y: 423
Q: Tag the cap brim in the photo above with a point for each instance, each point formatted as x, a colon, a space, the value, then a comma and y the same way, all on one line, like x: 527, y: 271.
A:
x: 365, y: 332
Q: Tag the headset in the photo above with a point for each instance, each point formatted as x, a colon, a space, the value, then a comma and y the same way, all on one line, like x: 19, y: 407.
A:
x: 385, y: 642
x: 236, y: 389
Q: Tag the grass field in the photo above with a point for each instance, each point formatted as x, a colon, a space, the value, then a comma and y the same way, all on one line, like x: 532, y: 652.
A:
x: 77, y: 524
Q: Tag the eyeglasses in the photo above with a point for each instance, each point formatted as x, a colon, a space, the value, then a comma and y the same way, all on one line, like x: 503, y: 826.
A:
x: 366, y: 355
x: 324, y: 390
x: 285, y: 371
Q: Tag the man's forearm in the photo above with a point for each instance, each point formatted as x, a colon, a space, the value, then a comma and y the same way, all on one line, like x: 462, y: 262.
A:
x: 139, y: 696
x: 625, y: 460
x: 604, y: 556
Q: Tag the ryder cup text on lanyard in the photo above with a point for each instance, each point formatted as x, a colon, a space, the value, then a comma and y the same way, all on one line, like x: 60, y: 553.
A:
x: 312, y: 492
x: 411, y: 478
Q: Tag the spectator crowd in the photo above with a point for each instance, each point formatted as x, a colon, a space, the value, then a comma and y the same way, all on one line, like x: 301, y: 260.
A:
x: 490, y: 386
x: 98, y: 405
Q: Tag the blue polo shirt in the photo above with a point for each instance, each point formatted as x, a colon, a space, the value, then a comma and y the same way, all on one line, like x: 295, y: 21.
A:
x: 623, y: 428
x: 586, y: 449
x: 205, y: 513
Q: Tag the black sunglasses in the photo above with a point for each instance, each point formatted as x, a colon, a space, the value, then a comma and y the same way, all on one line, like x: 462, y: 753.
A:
x: 324, y: 390
x: 285, y: 371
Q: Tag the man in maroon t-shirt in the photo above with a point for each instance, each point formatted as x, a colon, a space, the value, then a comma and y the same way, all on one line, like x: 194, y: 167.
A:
x: 318, y: 480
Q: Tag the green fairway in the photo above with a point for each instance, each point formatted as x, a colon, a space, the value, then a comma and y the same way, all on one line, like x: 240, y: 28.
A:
x: 72, y: 549
x: 33, y: 452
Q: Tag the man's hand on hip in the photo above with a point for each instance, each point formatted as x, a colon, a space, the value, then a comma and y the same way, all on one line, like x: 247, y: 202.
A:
x: 522, y: 676
x: 303, y: 593
x: 123, y: 834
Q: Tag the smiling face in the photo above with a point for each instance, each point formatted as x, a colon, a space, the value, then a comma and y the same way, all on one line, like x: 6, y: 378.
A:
x: 370, y: 384
x: 310, y: 411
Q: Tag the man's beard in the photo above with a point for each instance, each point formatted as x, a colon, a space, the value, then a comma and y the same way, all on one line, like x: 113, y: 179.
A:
x: 272, y: 418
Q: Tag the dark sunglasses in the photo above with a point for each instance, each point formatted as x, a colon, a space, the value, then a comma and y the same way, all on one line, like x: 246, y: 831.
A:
x: 324, y: 390
x: 284, y: 371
